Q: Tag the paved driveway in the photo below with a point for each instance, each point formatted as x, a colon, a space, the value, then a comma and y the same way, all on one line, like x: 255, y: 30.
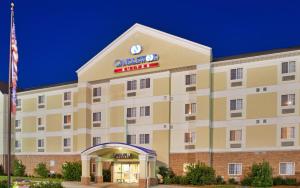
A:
x: 104, y: 185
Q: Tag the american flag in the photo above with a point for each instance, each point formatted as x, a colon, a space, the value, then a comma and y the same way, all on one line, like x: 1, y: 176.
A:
x: 14, y: 68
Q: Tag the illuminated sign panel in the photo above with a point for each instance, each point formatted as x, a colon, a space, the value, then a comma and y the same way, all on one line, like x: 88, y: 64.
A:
x: 136, y: 63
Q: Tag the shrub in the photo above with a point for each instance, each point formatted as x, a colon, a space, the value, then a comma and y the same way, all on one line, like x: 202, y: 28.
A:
x: 166, y: 173
x: 247, y: 181
x: 200, y: 174
x: 41, y: 170
x: 106, y: 175
x: 18, y: 168
x: 183, y: 180
x: 3, y: 184
x: 220, y: 180
x: 278, y: 181
x: 71, y: 171
x: 232, y: 181
x: 47, y: 185
x: 175, y: 179
x: 1, y: 170
x: 261, y: 175
x: 291, y: 181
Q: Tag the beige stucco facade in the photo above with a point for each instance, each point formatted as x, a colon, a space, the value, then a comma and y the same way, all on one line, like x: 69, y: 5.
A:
x: 186, y: 104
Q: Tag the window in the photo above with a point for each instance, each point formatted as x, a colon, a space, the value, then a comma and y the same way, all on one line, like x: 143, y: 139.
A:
x: 190, y: 108
x: 189, y: 138
x: 288, y: 67
x: 144, y: 138
x: 131, y: 112
x: 288, y: 100
x: 67, y: 121
x: 67, y: 98
x: 145, y: 83
x: 96, y: 119
x: 236, y: 74
x: 190, y: 79
x: 287, y: 168
x: 18, y: 104
x: 131, y: 139
x: 131, y: 85
x: 41, y: 145
x: 287, y: 133
x: 17, y: 146
x: 234, y: 169
x: 144, y: 111
x: 96, y: 141
x: 235, y: 135
x: 67, y: 144
x: 236, y: 104
x: 97, y: 92
x: 41, y: 101
x: 18, y: 127
x: 40, y: 124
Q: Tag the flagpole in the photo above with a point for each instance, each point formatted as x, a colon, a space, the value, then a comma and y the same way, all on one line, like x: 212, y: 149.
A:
x: 9, y: 99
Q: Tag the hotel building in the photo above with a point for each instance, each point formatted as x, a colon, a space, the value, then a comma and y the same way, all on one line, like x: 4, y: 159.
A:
x: 150, y: 99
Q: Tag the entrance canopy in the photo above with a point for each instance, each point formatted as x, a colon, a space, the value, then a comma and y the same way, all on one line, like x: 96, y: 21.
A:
x: 102, y: 149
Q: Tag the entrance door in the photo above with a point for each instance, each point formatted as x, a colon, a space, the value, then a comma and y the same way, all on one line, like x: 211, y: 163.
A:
x: 126, y: 173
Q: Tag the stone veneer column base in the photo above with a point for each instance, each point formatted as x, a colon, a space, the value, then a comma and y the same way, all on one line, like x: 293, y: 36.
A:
x: 142, y: 183
x: 153, y: 181
x: 99, y: 179
x: 85, y: 180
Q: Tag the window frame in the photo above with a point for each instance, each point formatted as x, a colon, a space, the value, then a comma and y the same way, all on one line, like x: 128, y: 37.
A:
x: 142, y: 138
x: 145, y: 83
x: 42, y: 125
x: 129, y: 85
x: 132, y: 111
x: 67, y: 100
x: 189, y: 110
x: 190, y: 79
x: 191, y: 137
x: 67, y: 147
x: 239, y: 173
x: 287, y: 174
x: 19, y: 124
x: 18, y: 149
x: 143, y: 111
x: 130, y: 138
x: 67, y: 124
x: 95, y: 138
x: 42, y: 148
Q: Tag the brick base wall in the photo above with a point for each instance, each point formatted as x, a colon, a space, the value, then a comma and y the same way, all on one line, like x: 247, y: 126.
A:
x: 178, y: 159
x: 30, y: 161
x: 221, y: 160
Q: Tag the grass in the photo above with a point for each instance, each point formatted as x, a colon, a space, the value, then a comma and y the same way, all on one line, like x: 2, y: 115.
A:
x: 31, y: 178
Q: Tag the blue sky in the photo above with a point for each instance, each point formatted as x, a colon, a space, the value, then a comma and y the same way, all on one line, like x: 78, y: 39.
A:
x: 56, y: 37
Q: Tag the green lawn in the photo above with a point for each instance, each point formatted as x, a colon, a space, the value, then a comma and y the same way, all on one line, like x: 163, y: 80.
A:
x: 31, y: 178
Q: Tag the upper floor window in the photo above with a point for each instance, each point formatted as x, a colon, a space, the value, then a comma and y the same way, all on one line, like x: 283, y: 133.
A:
x: 131, y: 112
x: 144, y: 111
x: 287, y: 168
x: 17, y: 145
x: 235, y: 135
x: 144, y: 138
x: 96, y: 140
x: 131, y: 139
x: 190, y: 108
x: 190, y: 79
x: 287, y: 133
x: 41, y: 101
x: 288, y: 100
x: 96, y: 94
x: 18, y: 127
x: 145, y: 83
x: 96, y: 119
x: 131, y: 85
x: 67, y: 121
x: 40, y: 124
x: 288, y: 67
x: 67, y: 98
x: 236, y: 108
x: 18, y: 104
x: 67, y: 144
x: 234, y: 169
x: 236, y: 74
x: 41, y: 145
x: 189, y: 137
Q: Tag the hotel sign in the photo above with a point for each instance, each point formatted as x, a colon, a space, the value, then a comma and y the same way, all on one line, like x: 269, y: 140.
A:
x: 136, y: 63
x: 123, y: 156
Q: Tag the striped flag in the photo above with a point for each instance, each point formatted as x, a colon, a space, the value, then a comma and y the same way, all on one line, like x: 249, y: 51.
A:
x: 14, y: 68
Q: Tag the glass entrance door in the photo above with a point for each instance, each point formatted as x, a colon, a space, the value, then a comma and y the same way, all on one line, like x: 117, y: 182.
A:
x: 126, y: 173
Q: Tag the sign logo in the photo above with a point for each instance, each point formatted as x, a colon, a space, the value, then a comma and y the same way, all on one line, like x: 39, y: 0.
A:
x: 136, y: 49
x: 123, y: 156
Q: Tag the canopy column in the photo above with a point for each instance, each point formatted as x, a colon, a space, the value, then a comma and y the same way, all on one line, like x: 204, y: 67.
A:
x: 99, y: 168
x: 85, y: 171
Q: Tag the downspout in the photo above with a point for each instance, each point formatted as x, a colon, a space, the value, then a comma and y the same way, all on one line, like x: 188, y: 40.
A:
x: 210, y: 113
